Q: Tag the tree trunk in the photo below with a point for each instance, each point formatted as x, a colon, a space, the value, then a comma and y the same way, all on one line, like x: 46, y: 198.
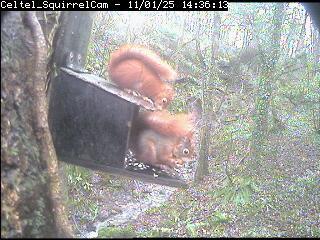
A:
x: 31, y: 203
x: 209, y: 73
x: 269, y: 56
x: 202, y: 163
x: 202, y: 167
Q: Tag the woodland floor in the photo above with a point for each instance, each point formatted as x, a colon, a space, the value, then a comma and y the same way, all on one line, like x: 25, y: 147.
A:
x: 286, y: 202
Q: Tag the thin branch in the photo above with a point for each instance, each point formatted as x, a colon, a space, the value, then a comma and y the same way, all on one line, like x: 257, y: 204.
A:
x: 200, y: 56
x: 180, y: 47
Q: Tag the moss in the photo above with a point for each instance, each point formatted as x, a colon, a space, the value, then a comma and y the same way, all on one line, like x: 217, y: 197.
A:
x: 25, y: 199
x: 259, y: 231
x: 116, y: 232
x: 157, y: 232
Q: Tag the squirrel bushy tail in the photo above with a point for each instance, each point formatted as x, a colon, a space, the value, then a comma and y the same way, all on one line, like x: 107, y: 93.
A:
x: 148, y: 57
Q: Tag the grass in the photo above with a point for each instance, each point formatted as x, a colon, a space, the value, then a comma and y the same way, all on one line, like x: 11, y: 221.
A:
x: 79, y: 177
x: 281, y: 206
x: 80, y: 186
x: 116, y: 232
x: 238, y: 191
x: 281, y: 202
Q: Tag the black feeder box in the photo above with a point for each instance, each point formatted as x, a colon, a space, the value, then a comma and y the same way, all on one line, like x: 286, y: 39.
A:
x: 90, y: 121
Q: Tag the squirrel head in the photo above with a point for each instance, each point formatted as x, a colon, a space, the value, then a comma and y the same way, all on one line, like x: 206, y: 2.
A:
x: 164, y: 98
x: 185, y: 148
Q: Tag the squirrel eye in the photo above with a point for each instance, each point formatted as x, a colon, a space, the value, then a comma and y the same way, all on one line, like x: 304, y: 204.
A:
x: 164, y: 100
x: 185, y: 151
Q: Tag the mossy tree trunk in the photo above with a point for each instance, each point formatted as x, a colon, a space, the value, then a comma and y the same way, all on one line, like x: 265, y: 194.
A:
x: 269, y: 54
x: 202, y: 163
x: 31, y: 203
x: 208, y: 77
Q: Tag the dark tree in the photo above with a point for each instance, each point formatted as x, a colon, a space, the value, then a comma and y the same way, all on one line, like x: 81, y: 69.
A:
x: 31, y: 204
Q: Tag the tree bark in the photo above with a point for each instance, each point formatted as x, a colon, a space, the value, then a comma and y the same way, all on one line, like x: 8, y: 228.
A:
x: 269, y: 56
x: 209, y: 73
x: 30, y: 189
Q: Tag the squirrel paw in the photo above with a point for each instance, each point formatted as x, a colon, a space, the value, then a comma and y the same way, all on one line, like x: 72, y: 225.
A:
x: 179, y: 163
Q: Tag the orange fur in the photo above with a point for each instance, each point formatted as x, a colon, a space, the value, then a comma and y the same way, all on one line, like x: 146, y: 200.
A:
x: 162, y: 151
x: 165, y: 123
x: 139, y: 69
x: 163, y: 140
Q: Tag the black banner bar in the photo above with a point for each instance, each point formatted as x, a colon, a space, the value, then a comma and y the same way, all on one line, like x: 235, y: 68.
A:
x: 116, y: 5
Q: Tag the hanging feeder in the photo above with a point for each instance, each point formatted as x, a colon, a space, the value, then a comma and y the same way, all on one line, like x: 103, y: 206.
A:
x: 90, y: 122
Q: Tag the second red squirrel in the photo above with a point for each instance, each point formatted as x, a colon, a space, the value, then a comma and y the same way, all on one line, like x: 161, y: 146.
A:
x: 163, y: 140
x: 138, y: 68
x: 167, y: 124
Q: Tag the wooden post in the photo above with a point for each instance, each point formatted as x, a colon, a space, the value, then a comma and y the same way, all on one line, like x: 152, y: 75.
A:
x: 72, y: 39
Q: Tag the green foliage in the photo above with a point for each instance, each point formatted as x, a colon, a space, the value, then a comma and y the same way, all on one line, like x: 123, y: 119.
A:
x: 192, y: 228
x: 239, y: 191
x: 273, y: 94
x: 94, y: 210
x: 259, y: 231
x: 100, y: 44
x: 80, y: 185
x: 79, y: 177
x: 38, y: 219
x: 156, y: 232
x: 310, y: 182
x: 86, y: 208
x: 13, y: 151
x: 183, y: 92
x: 116, y: 232
x: 219, y: 218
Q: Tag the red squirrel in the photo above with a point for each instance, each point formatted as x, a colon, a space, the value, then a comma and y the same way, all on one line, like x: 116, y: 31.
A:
x: 165, y: 123
x: 138, y: 68
x: 163, y: 140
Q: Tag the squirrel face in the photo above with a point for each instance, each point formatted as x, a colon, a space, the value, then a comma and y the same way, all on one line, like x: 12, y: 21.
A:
x: 164, y: 98
x: 184, y: 150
